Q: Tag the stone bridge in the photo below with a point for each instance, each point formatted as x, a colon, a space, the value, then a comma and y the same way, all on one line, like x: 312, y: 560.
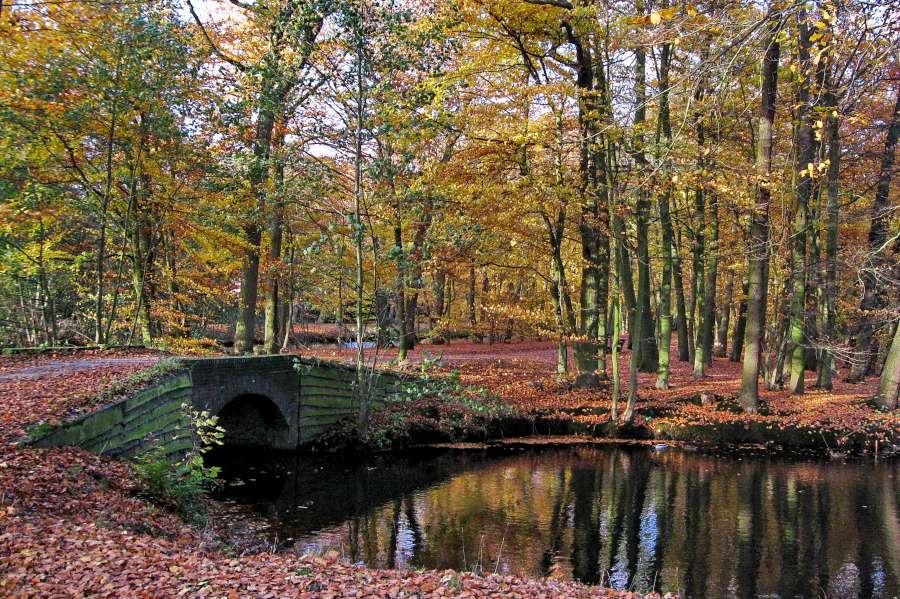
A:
x: 280, y: 402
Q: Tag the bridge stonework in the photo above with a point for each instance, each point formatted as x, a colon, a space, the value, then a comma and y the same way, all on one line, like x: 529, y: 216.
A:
x: 250, y: 381
x: 282, y: 402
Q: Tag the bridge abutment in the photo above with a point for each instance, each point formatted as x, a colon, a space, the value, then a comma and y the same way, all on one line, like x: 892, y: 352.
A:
x: 280, y: 402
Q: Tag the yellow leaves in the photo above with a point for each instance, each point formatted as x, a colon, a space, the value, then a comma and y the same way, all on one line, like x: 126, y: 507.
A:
x: 814, y: 169
x: 656, y: 17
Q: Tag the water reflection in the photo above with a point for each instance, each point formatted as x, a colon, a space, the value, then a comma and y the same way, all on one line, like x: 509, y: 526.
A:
x: 627, y: 518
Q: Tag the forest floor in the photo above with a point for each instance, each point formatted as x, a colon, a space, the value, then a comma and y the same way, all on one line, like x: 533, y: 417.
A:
x: 523, y: 375
x: 73, y: 523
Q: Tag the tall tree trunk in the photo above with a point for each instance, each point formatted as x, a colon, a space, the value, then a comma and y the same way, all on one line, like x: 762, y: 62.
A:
x: 876, y: 262
x: 362, y: 380
x: 712, y: 272
x: 487, y: 322
x: 699, y: 281
x: 806, y: 156
x: 586, y: 350
x: 759, y: 222
x: 626, y: 276
x: 604, y: 186
x: 565, y: 313
x: 665, y: 291
x: 245, y: 328
x: 142, y: 256
x: 634, y: 367
x: 616, y: 376
x: 699, y: 274
x: 403, y: 337
x: 681, y: 321
x: 647, y: 338
x: 826, y: 362
x: 414, y: 271
x: 412, y: 314
x: 273, y: 310
x: 289, y: 293
x: 562, y: 347
x: 99, y: 337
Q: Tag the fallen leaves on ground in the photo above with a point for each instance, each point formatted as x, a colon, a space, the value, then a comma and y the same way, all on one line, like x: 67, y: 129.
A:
x: 523, y: 374
x: 54, y: 387
x: 73, y: 523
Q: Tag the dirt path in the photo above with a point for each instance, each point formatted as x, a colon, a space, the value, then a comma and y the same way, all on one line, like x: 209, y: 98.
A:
x: 61, y: 367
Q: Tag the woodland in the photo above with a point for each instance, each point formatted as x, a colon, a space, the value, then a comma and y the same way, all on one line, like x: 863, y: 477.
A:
x: 633, y: 222
x: 684, y: 181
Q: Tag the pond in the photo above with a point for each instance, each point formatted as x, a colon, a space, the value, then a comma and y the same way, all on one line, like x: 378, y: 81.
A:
x: 628, y: 518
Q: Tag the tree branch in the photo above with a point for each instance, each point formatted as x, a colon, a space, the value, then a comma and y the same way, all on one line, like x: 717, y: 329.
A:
x: 232, y: 61
x: 557, y: 3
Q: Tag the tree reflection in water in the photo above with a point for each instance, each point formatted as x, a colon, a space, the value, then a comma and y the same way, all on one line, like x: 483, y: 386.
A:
x: 628, y: 518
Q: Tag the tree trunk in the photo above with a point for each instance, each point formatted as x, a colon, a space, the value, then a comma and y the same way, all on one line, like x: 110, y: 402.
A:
x: 647, y: 338
x: 99, y: 337
x: 400, y: 286
x: 826, y: 362
x: 245, y: 328
x: 616, y: 381
x: 141, y: 256
x: 737, y: 344
x: 806, y: 156
x: 712, y: 272
x: 665, y: 292
x: 889, y: 385
x: 684, y: 344
x: 487, y: 322
x: 588, y: 322
x: 721, y: 346
x: 699, y: 275
x: 470, y: 303
x: 362, y: 380
x: 626, y: 277
x: 438, y: 284
x: 699, y: 283
x: 634, y: 367
x: 881, y: 215
x: 273, y: 310
x: 759, y: 223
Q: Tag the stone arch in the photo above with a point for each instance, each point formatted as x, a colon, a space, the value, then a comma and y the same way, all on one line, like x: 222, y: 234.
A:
x: 254, y: 420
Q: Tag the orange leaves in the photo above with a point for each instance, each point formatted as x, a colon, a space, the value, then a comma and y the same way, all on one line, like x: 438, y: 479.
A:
x: 79, y: 530
x: 71, y: 522
x: 49, y: 388
x: 523, y: 375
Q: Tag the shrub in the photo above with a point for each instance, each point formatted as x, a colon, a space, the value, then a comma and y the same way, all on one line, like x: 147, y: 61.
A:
x: 182, y: 484
x: 200, y: 346
x: 429, y: 409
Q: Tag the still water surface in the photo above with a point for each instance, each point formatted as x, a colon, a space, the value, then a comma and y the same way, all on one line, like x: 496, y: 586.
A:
x: 629, y: 518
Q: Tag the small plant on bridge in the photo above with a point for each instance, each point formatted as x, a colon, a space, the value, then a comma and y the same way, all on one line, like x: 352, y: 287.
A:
x: 182, y: 484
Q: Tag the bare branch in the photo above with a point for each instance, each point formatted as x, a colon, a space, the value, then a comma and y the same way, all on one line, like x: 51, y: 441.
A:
x: 230, y: 60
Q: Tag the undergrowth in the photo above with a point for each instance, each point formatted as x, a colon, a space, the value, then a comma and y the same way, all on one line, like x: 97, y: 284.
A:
x: 182, y: 484
x: 427, y: 409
